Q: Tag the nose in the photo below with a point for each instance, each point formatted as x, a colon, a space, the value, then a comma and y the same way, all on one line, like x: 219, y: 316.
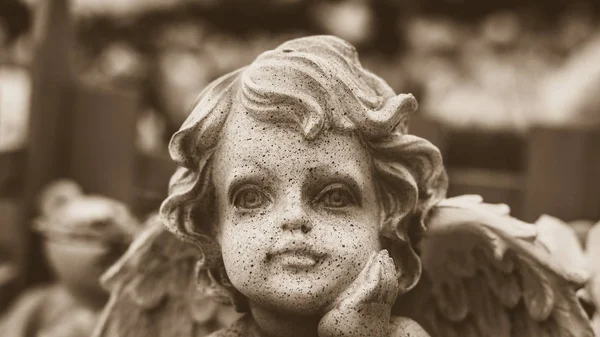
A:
x: 295, y: 218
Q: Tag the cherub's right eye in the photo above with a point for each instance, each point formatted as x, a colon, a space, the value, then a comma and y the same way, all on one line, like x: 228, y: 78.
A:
x: 250, y: 198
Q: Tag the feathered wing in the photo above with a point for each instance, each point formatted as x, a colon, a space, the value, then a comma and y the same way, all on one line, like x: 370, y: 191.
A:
x: 486, y: 274
x: 562, y: 241
x: 153, y: 290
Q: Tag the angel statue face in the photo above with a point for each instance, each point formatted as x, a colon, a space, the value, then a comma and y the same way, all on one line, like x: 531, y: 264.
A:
x: 295, y: 171
x: 298, y: 218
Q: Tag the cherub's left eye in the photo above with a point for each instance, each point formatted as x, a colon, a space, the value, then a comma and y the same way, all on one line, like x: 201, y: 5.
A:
x: 250, y: 198
x: 335, y: 196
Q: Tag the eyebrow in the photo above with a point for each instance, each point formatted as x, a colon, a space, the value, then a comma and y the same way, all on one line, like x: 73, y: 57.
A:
x: 252, y: 173
x: 323, y: 174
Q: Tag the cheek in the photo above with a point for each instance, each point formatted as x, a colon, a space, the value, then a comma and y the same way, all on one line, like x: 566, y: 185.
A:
x: 352, y: 239
x: 243, y: 245
x: 349, y: 231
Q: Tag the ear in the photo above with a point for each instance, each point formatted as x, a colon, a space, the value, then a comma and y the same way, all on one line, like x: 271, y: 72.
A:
x: 408, y: 265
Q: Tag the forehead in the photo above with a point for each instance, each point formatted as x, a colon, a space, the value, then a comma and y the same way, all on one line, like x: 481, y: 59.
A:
x: 247, y: 141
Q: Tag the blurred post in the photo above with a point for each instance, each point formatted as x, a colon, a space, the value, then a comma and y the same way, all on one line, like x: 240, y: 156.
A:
x: 102, y: 137
x: 76, y: 131
x: 50, y: 100
x: 49, y: 115
x: 563, y: 174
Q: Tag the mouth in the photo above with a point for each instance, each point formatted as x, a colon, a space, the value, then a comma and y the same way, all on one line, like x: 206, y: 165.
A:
x: 296, y: 256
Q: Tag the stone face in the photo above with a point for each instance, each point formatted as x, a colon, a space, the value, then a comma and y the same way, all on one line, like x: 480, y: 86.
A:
x: 298, y: 219
x: 298, y: 182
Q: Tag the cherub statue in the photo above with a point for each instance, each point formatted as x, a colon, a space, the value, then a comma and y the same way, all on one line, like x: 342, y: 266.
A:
x: 314, y: 213
x: 83, y: 235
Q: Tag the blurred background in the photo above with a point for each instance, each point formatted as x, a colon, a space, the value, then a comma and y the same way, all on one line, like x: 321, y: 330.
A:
x: 92, y: 91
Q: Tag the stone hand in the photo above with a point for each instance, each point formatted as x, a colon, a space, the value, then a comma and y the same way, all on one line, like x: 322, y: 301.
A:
x: 364, y: 309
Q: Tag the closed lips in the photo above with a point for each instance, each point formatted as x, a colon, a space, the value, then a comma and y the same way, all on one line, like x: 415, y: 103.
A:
x: 300, y: 254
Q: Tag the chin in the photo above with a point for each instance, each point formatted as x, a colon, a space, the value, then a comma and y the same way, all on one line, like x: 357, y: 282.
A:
x: 297, y: 304
x: 299, y: 296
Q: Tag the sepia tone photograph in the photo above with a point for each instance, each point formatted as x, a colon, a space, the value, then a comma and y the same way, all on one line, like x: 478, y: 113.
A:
x: 299, y: 168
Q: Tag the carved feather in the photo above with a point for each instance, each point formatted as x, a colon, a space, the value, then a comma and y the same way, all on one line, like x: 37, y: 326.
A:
x: 484, y: 274
x: 153, y: 290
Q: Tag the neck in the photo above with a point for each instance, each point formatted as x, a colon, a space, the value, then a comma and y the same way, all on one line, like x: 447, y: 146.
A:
x: 273, y: 323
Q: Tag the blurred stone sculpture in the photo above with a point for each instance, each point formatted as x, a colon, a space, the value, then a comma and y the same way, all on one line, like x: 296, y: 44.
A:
x: 310, y: 209
x: 82, y: 236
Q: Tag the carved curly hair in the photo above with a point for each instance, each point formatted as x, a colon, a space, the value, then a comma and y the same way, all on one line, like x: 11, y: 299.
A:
x: 312, y: 84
